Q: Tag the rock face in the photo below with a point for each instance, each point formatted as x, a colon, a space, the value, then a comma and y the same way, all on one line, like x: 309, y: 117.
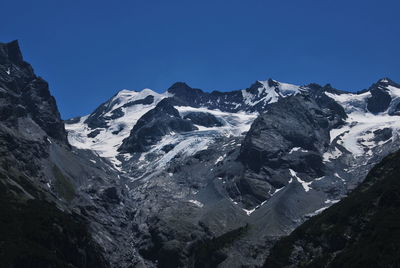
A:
x: 26, y: 94
x: 360, y: 231
x: 252, y: 99
x: 379, y: 101
x: 47, y: 188
x: 297, y: 124
x: 152, y: 126
x: 203, y: 119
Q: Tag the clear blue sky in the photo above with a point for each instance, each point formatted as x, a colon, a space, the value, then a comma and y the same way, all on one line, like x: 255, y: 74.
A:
x: 88, y: 50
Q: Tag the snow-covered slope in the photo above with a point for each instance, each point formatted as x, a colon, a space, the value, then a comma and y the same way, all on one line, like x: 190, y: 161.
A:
x: 104, y: 130
x: 105, y: 140
x: 267, y: 92
x: 188, y: 143
x: 365, y: 130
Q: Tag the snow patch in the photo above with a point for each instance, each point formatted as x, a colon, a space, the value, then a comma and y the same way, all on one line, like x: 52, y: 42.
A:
x: 318, y: 211
x: 356, y: 135
x: 306, y: 185
x: 269, y: 94
x: 249, y: 211
x: 328, y: 156
x: 329, y: 201
x: 197, y: 203
x: 220, y: 159
x: 296, y: 149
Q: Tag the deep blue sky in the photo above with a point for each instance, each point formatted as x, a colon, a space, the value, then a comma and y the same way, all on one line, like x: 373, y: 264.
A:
x: 88, y: 50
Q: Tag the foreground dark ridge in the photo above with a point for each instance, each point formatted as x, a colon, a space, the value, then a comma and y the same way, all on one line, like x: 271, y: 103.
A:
x: 38, y: 227
x: 363, y: 230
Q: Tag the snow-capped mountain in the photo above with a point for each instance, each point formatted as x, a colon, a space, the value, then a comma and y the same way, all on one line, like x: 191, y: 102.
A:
x: 183, y: 178
x: 372, y: 119
x: 104, y: 130
x: 271, y: 155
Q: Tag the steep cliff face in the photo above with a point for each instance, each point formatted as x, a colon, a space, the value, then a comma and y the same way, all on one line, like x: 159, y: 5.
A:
x: 38, y: 226
x: 363, y: 230
x: 24, y: 94
x: 153, y: 126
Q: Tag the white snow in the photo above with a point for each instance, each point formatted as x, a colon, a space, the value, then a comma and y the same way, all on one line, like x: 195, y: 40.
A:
x: 106, y: 143
x: 306, y: 185
x: 394, y: 91
x: 185, y: 146
x: 249, y: 211
x: 295, y: 149
x: 318, y: 211
x: 234, y: 124
x: 351, y: 102
x: 271, y: 95
x: 338, y: 176
x: 328, y: 201
x: 357, y: 133
x: 276, y: 191
x: 220, y: 159
x: 283, y: 88
x: 197, y: 203
x: 189, y: 143
x: 328, y: 156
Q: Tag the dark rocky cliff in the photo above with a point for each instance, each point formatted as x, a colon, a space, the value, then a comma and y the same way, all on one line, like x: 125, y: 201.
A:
x: 37, y: 227
x: 363, y: 230
x: 25, y: 94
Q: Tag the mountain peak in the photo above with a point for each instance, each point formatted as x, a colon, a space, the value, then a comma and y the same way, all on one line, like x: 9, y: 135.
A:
x: 10, y: 52
x: 127, y: 92
x: 385, y: 81
x: 272, y: 83
x: 284, y: 88
x: 179, y: 86
x: 181, y: 89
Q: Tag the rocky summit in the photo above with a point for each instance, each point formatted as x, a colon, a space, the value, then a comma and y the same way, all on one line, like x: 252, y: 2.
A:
x: 188, y: 178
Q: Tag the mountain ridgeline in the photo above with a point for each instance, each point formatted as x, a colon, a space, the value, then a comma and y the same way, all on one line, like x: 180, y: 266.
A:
x: 187, y: 178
